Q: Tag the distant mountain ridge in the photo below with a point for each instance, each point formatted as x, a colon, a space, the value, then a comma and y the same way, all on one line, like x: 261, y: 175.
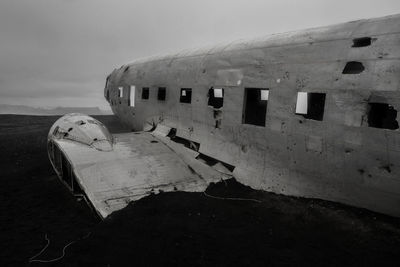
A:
x: 26, y: 110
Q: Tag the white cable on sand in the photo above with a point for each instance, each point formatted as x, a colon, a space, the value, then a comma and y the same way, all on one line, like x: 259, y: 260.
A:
x: 233, y: 198
x: 32, y: 259
x: 43, y: 249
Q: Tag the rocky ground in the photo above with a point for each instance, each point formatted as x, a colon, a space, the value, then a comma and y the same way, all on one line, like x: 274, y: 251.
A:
x: 176, y: 229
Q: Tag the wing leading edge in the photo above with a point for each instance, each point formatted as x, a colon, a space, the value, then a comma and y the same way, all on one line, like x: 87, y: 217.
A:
x: 139, y: 164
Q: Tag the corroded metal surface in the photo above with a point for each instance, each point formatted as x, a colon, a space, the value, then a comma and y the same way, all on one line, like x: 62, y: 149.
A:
x: 339, y: 158
x: 138, y: 164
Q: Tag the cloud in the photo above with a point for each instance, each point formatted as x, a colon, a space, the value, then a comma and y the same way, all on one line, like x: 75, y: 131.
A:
x: 64, y: 49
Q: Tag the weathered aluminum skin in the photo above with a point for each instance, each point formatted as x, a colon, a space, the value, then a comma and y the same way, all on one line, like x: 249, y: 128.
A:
x: 339, y: 158
x: 131, y: 166
x: 82, y: 129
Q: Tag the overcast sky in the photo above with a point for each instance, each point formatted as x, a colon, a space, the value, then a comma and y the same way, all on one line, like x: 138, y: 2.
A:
x: 59, y: 52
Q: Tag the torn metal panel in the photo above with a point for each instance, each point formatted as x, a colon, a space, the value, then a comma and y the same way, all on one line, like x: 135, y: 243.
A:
x: 138, y: 164
x: 161, y: 130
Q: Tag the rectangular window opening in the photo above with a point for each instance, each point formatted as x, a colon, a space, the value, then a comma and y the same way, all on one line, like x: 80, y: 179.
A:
x: 362, y: 42
x: 216, y: 97
x: 255, y: 106
x: 132, y: 96
x: 382, y: 115
x: 311, y: 105
x: 353, y: 67
x: 145, y: 93
x: 162, y: 92
x: 120, y: 89
x: 186, y: 95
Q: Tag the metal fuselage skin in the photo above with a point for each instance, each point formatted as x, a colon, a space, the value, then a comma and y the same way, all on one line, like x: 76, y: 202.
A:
x: 339, y: 158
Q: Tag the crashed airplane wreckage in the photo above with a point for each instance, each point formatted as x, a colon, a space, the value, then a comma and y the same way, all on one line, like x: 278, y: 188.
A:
x: 310, y: 113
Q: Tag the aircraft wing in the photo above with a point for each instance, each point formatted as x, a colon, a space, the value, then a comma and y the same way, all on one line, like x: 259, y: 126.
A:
x: 139, y: 164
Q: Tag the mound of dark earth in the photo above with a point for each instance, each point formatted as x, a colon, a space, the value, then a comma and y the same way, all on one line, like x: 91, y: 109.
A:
x: 242, y: 227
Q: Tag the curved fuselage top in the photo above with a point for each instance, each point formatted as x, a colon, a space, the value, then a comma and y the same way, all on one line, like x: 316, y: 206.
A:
x: 350, y: 72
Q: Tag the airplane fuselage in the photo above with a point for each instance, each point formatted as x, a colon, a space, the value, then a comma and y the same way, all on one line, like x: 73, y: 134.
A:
x: 310, y: 113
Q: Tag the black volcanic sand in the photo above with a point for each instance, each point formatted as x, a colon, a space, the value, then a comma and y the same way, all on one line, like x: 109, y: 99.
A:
x: 32, y: 200
x: 174, y: 229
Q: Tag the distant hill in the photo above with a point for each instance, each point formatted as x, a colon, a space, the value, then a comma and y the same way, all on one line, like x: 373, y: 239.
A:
x: 26, y: 110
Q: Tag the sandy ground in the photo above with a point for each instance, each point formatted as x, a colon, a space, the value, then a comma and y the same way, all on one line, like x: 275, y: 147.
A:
x: 174, y: 229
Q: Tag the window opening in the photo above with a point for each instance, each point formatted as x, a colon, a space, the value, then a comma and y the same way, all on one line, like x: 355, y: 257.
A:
x: 311, y: 105
x: 216, y: 97
x: 255, y: 106
x: 145, y: 93
x: 132, y: 96
x: 382, y: 115
x: 362, y: 42
x: 353, y: 67
x: 186, y: 95
x: 162, y: 92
